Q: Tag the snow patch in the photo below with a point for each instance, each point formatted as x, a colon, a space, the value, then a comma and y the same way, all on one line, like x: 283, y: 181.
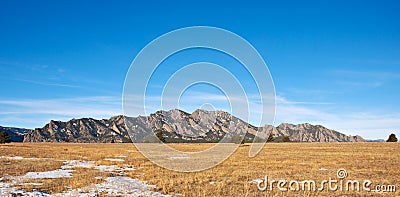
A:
x: 34, y: 184
x: 54, y: 174
x: 105, y: 168
x: 20, y: 158
x: 114, y: 159
x: 179, y: 156
x: 69, y: 164
x: 113, y: 186
x: 116, y: 186
x: 122, y: 156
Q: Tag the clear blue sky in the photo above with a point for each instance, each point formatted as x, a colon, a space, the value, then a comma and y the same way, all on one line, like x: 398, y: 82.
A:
x: 335, y: 63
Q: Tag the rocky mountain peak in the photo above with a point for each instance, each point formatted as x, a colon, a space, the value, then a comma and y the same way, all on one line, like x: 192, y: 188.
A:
x: 177, y: 126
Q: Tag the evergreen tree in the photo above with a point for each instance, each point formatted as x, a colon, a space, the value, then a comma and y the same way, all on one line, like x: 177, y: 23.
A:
x: 159, y: 135
x: 4, y: 138
x: 270, y: 137
x: 392, y: 138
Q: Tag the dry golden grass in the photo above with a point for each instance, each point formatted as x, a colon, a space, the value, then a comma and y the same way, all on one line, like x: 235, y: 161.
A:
x: 15, y: 167
x: 378, y: 162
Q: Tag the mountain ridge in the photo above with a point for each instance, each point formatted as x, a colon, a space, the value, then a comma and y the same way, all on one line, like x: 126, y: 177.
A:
x: 178, y: 126
x: 16, y: 134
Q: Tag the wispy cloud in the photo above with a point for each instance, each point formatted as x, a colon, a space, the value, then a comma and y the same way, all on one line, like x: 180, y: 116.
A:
x: 79, y: 106
x: 30, y: 110
x: 283, y: 100
x: 366, y: 74
x: 36, y: 67
x: 360, y: 84
x: 306, y: 91
x: 368, y: 123
x: 48, y: 83
x: 364, y: 79
x: 50, y: 76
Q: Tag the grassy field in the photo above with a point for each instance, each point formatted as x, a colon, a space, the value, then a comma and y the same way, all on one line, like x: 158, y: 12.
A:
x: 377, y: 162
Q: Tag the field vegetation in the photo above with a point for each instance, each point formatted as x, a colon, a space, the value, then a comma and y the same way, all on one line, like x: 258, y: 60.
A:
x: 378, y: 162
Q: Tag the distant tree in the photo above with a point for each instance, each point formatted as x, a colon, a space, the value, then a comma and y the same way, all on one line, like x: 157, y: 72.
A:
x: 4, y: 138
x: 159, y: 135
x: 285, y: 139
x: 270, y: 137
x: 392, y: 138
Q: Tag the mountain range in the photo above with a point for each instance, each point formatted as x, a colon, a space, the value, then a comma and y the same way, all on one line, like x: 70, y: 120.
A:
x: 16, y: 134
x: 174, y: 126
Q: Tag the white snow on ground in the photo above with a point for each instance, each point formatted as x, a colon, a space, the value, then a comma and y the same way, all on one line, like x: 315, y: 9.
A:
x: 114, y: 159
x: 35, y: 184
x: 54, y: 174
x: 15, y: 157
x: 114, y: 168
x: 120, y: 185
x: 20, y: 158
x: 69, y: 164
x: 116, y: 186
x: 113, y: 186
x: 64, y: 172
x: 7, y: 189
x: 179, y: 156
x: 104, y: 168
x: 127, y: 168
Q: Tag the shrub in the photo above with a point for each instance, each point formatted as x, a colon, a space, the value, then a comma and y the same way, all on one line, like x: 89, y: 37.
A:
x: 285, y: 139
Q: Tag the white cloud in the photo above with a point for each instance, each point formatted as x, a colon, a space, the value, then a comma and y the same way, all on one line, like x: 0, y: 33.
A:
x: 36, y: 112
x: 368, y: 124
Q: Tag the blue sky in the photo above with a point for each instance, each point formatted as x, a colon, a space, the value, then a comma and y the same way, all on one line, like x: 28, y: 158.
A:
x: 335, y: 63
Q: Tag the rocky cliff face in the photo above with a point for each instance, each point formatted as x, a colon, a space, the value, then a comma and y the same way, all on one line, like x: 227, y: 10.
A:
x: 81, y: 130
x: 177, y: 126
x: 313, y: 133
x: 199, y: 126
